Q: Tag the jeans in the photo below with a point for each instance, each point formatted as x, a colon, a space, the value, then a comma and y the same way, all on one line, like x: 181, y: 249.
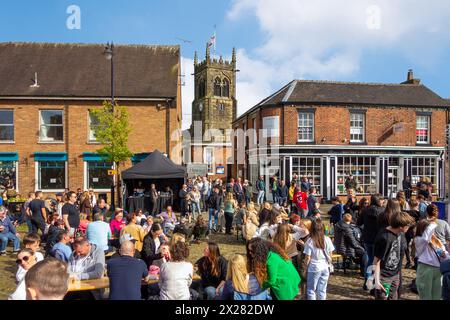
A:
x: 316, y: 287
x: 30, y: 226
x: 210, y: 292
x: 5, y: 237
x: 368, y: 258
x: 213, y: 215
x: 195, y: 208
x: 282, y: 200
x: 260, y: 198
x: 168, y: 226
x: 275, y: 197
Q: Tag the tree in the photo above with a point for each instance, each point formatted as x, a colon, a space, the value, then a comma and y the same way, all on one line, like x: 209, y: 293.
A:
x: 111, y: 130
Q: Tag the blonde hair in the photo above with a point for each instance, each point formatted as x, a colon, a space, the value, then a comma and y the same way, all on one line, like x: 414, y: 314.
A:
x: 237, y: 273
x: 229, y: 196
x: 177, y: 237
x: 347, y: 217
x: 251, y: 206
x: 307, y: 223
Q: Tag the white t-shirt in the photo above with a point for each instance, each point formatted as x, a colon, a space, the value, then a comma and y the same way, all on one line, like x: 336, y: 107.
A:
x: 21, y: 271
x: 20, y: 293
x: 174, y: 280
x: 318, y: 260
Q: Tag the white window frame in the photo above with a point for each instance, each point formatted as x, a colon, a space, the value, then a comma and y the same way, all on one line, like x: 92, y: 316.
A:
x: 420, y: 127
x: 36, y: 177
x: 435, y: 167
x: 354, y: 119
x: 89, y: 139
x: 51, y: 125
x: 373, y: 174
x: 312, y: 169
x: 86, y: 179
x: 9, y: 125
x: 309, y: 115
x: 211, y: 163
x: 271, y: 127
x: 16, y: 164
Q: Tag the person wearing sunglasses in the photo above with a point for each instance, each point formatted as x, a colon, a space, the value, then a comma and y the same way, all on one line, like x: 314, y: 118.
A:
x: 26, y: 259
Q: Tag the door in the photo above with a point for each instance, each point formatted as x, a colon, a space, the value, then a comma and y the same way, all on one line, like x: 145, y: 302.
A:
x: 393, y: 181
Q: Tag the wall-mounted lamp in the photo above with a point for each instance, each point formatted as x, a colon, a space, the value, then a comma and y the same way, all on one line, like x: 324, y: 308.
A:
x: 345, y: 140
x: 324, y: 139
x: 436, y: 142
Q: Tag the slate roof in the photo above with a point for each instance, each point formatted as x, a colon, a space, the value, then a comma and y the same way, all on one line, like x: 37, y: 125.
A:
x: 353, y: 93
x: 81, y: 70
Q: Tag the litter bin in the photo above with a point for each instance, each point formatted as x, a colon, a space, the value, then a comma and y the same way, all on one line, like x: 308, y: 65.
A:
x: 441, y: 207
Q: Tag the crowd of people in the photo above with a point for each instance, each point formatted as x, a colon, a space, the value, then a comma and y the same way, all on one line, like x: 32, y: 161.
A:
x: 289, y: 246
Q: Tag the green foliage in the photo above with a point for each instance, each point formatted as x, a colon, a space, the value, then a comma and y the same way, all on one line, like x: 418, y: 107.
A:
x: 112, y: 130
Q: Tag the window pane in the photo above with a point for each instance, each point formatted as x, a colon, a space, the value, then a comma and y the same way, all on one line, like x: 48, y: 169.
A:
x: 51, y: 117
x: 6, y: 117
x: 98, y: 177
x: 6, y: 133
x: 8, y: 174
x: 52, y: 175
x: 51, y: 133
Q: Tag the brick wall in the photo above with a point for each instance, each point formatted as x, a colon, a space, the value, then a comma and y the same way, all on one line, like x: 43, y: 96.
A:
x: 147, y: 120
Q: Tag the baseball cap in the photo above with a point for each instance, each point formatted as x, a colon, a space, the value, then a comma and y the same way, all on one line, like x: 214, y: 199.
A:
x: 59, y: 194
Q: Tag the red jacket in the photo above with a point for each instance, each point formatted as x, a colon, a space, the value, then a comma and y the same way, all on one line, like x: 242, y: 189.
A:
x: 300, y: 200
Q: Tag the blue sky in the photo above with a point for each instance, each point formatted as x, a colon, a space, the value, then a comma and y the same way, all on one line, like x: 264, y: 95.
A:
x: 277, y: 41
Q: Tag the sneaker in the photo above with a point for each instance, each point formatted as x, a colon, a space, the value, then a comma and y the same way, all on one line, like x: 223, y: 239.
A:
x: 3, y: 253
x: 16, y: 251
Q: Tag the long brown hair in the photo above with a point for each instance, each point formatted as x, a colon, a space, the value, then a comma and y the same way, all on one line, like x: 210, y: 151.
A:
x: 212, y: 260
x: 257, y: 253
x: 282, y: 235
x: 318, y: 234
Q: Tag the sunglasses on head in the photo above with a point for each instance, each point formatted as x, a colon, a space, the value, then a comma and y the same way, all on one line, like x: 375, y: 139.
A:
x: 24, y: 259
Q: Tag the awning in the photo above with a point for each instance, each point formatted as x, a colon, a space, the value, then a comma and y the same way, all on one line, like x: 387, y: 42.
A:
x: 138, y: 157
x: 50, y: 156
x: 93, y: 157
x: 9, y: 156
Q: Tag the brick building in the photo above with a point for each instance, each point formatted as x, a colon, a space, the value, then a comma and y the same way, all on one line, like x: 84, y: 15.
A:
x: 213, y: 111
x: 326, y: 130
x: 46, y: 92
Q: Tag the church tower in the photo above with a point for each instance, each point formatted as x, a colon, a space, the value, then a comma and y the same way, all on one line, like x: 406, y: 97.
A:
x: 214, y: 106
x: 215, y: 92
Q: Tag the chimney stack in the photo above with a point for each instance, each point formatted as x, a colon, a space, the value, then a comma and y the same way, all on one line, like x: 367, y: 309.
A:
x: 410, y: 79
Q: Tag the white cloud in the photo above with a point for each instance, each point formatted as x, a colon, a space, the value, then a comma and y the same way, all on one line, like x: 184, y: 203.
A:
x: 326, y: 39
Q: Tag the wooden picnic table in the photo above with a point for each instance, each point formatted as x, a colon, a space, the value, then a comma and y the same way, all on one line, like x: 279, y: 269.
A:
x: 103, y: 283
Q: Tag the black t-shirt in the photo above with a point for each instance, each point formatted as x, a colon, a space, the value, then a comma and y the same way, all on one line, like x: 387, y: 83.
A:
x: 36, y: 206
x: 207, y: 278
x: 125, y: 276
x: 389, y: 248
x: 74, y: 214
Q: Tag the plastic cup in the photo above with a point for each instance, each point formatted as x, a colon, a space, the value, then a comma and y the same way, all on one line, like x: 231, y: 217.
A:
x: 387, y: 287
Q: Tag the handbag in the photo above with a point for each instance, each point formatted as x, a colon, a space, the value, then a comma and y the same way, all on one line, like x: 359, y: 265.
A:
x: 329, y: 261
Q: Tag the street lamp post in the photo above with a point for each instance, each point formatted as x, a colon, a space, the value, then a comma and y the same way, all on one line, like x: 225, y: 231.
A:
x: 109, y: 55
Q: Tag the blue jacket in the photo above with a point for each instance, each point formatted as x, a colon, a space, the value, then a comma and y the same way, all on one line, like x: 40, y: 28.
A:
x: 283, y: 192
x: 260, y: 185
x: 9, y: 227
x: 255, y: 291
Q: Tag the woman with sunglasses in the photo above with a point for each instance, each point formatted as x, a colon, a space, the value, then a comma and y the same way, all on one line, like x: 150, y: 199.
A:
x: 26, y: 259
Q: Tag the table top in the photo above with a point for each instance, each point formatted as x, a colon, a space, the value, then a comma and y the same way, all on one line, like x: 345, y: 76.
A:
x: 102, y: 283
x: 87, y: 285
